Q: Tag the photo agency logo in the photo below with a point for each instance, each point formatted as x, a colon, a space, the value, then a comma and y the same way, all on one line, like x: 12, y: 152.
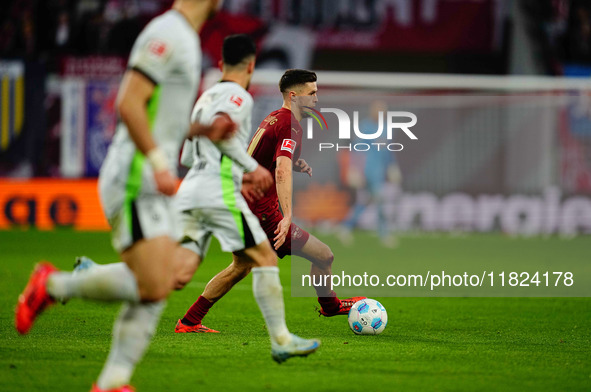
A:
x: 355, y: 137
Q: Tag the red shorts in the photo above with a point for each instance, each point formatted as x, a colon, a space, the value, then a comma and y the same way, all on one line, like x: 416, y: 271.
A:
x: 295, y: 240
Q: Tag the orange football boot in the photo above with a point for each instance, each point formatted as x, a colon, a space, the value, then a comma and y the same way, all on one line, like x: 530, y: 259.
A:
x: 34, y: 299
x: 344, y: 307
x: 125, y: 388
x: 199, y: 328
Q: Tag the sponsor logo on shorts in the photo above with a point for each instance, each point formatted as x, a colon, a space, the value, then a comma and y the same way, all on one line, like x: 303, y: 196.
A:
x: 296, y: 233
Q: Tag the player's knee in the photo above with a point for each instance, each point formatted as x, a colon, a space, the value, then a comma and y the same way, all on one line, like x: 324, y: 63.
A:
x: 264, y: 257
x: 155, y: 296
x: 181, y: 282
x: 186, y: 264
x: 326, y: 257
x: 155, y: 293
x: 182, y: 278
x: 268, y: 259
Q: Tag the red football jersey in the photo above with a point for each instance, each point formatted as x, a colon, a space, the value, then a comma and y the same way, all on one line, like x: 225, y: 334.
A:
x: 280, y: 134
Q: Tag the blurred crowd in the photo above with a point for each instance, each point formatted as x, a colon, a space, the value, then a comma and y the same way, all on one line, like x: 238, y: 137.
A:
x: 562, y: 31
x: 44, y: 28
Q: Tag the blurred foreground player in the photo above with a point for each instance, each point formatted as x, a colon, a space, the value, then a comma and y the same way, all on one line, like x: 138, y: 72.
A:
x: 276, y: 145
x: 135, y: 185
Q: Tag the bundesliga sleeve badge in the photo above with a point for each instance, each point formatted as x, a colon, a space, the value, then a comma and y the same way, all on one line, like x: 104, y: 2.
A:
x: 288, y: 145
x: 235, y: 99
x: 157, y: 50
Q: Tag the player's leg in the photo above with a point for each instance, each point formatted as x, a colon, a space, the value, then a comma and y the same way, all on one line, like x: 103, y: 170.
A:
x: 194, y: 246
x: 223, y: 282
x: 215, y: 289
x: 119, y: 281
x: 115, y: 282
x: 153, y: 266
x: 137, y: 321
x: 268, y: 293
x: 266, y: 287
x: 108, y: 282
x: 151, y: 260
x: 186, y: 264
x: 132, y: 333
x: 146, y: 255
x: 321, y: 258
x: 234, y: 234
x: 239, y: 232
x: 145, y: 244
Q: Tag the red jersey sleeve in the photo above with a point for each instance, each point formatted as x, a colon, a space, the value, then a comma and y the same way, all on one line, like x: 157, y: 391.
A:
x: 288, y: 140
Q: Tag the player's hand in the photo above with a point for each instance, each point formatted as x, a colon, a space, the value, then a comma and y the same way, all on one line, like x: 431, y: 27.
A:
x: 261, y: 178
x: 282, y: 232
x: 250, y: 192
x: 303, y: 167
x: 166, y: 182
x: 222, y: 128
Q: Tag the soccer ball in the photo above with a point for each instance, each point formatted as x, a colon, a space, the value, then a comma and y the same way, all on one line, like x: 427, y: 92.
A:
x: 368, y: 317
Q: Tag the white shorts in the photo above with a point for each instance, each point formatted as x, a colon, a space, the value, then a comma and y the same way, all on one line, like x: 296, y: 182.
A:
x: 236, y: 229
x: 145, y: 217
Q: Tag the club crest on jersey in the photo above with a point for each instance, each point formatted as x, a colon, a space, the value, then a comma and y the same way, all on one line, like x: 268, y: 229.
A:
x: 288, y: 145
x: 236, y: 99
x: 157, y: 48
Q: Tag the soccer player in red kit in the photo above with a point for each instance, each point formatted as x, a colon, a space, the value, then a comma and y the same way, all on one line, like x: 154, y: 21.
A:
x: 276, y: 145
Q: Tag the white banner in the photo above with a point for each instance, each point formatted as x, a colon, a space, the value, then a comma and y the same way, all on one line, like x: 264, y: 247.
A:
x: 72, y: 127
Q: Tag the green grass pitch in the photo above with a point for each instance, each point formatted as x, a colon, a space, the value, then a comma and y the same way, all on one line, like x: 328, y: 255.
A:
x: 436, y: 344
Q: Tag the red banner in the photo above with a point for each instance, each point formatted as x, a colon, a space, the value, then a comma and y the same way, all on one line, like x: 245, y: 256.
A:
x: 402, y: 25
x: 424, y: 26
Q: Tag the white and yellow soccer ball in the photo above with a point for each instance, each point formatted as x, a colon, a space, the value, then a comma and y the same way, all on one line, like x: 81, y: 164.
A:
x: 368, y: 317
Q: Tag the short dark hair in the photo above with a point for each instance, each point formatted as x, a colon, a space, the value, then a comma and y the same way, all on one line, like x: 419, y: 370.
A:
x: 295, y: 77
x: 237, y: 48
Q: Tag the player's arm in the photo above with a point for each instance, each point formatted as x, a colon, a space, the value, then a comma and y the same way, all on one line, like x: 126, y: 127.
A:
x: 256, y: 175
x: 132, y: 104
x: 234, y: 149
x: 221, y: 128
x: 235, y: 106
x: 283, y: 179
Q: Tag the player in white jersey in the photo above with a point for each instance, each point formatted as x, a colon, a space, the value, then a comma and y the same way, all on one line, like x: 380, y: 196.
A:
x: 135, y: 184
x: 211, y: 190
x: 210, y: 201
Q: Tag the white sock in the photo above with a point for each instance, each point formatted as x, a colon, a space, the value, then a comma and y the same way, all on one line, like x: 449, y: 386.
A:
x: 268, y: 293
x: 109, y: 282
x: 132, y: 334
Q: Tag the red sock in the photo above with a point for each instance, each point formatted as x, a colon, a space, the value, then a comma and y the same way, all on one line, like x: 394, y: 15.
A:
x: 197, y: 311
x: 330, y: 304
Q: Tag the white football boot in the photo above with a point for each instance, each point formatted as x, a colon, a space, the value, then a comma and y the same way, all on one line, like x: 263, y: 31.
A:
x: 298, y: 347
